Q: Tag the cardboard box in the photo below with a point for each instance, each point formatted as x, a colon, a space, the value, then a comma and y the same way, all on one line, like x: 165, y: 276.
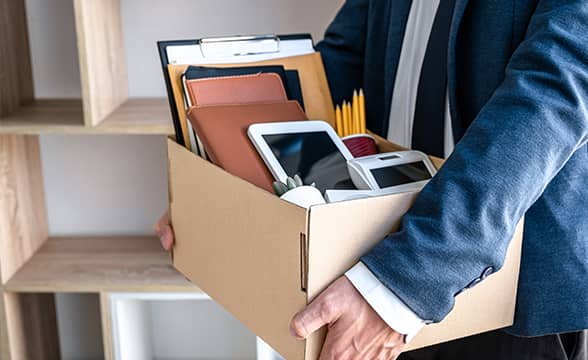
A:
x: 263, y: 259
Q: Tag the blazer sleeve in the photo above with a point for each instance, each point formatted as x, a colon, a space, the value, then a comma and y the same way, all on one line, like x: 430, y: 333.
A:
x: 461, y: 223
x: 343, y: 49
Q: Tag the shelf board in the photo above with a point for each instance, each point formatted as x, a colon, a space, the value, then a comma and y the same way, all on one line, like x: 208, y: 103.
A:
x: 135, y: 116
x: 139, y: 116
x: 125, y: 264
x: 44, y: 116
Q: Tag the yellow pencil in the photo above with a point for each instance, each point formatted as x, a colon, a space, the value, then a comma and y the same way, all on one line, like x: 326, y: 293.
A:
x: 345, y: 121
x: 355, y: 111
x: 339, y: 121
x: 350, y: 119
x: 363, y: 126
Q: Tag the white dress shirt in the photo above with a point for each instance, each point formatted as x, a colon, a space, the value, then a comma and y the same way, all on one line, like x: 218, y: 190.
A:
x: 418, y: 28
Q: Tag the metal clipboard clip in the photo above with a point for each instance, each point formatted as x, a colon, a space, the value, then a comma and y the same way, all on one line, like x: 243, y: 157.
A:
x: 238, y: 45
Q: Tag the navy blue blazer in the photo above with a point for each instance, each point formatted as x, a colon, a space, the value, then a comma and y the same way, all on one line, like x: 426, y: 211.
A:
x: 518, y: 91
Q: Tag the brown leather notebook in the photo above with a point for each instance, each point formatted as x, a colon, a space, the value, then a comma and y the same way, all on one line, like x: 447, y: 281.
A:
x: 223, y: 132
x: 242, y: 89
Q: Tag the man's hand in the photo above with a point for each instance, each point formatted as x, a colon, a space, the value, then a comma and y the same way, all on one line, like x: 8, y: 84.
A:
x: 355, y: 331
x: 164, y: 230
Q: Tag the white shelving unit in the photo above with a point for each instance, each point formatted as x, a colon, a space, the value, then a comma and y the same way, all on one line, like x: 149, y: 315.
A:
x: 143, y: 327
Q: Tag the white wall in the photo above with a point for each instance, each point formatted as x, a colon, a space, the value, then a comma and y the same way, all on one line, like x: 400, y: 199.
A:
x: 52, y: 38
x: 104, y: 185
x: 80, y: 334
x: 148, y: 21
x: 117, y: 184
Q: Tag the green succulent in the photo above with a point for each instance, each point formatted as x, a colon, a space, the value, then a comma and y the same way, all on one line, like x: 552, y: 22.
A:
x: 281, y: 188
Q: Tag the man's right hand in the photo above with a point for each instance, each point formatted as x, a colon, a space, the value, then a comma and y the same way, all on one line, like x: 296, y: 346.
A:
x: 165, y: 232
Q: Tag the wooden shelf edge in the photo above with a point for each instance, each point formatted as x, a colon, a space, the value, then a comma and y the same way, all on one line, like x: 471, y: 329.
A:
x: 55, y: 288
x: 44, y: 116
x: 99, y: 264
x: 139, y: 116
x: 136, y: 116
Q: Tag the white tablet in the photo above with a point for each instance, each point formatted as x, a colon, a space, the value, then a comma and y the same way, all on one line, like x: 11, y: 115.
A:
x: 310, y: 149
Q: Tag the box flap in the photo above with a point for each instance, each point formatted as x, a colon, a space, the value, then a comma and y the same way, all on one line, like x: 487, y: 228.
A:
x: 340, y: 233
x: 239, y: 244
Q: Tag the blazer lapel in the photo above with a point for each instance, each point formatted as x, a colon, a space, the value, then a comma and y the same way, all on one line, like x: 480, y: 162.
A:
x: 460, y: 7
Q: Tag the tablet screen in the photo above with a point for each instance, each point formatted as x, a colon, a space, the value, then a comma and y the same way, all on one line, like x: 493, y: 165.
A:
x: 313, y: 156
x: 401, y: 174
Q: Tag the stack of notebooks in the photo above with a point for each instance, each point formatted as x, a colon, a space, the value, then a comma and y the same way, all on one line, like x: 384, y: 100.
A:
x: 224, y: 102
x: 219, y: 87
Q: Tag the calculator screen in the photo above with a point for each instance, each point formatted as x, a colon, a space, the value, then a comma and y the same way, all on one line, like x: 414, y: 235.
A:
x: 401, y: 174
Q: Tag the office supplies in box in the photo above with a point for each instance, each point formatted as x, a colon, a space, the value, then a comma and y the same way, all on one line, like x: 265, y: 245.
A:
x: 263, y: 259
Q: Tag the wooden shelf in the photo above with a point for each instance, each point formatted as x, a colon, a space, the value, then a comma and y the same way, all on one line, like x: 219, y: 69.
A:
x: 126, y: 264
x: 135, y: 116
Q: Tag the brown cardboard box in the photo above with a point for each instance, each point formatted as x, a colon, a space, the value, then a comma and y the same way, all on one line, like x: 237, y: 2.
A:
x: 263, y: 259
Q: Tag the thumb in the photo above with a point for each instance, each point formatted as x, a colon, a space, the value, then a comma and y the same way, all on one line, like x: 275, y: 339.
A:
x: 320, y: 312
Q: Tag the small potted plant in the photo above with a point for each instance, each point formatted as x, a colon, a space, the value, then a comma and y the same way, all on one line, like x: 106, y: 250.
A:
x: 296, y: 192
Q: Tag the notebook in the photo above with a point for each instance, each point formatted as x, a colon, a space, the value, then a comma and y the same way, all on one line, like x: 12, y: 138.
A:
x: 223, y: 132
x: 290, y: 78
x: 240, y: 89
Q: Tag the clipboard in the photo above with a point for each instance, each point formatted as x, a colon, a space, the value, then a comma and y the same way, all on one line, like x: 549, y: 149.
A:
x: 224, y: 50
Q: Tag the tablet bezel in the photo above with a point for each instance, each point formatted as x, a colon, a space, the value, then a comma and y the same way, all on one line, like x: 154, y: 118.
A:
x: 257, y: 131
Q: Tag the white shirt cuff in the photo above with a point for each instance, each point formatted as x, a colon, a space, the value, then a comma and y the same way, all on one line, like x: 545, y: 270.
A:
x: 387, y: 305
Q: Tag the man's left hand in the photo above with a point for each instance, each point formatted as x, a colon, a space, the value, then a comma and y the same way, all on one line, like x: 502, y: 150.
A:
x: 355, y: 331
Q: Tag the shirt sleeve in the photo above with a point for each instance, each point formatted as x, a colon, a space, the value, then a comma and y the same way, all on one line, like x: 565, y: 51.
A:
x: 387, y: 305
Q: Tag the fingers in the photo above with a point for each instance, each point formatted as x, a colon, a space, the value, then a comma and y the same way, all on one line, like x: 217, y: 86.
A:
x: 344, y: 343
x: 163, y: 229
x: 167, y: 238
x: 162, y: 222
x: 324, y: 310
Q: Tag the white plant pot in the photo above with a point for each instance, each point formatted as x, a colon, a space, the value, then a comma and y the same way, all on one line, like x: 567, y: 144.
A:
x: 304, y: 196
